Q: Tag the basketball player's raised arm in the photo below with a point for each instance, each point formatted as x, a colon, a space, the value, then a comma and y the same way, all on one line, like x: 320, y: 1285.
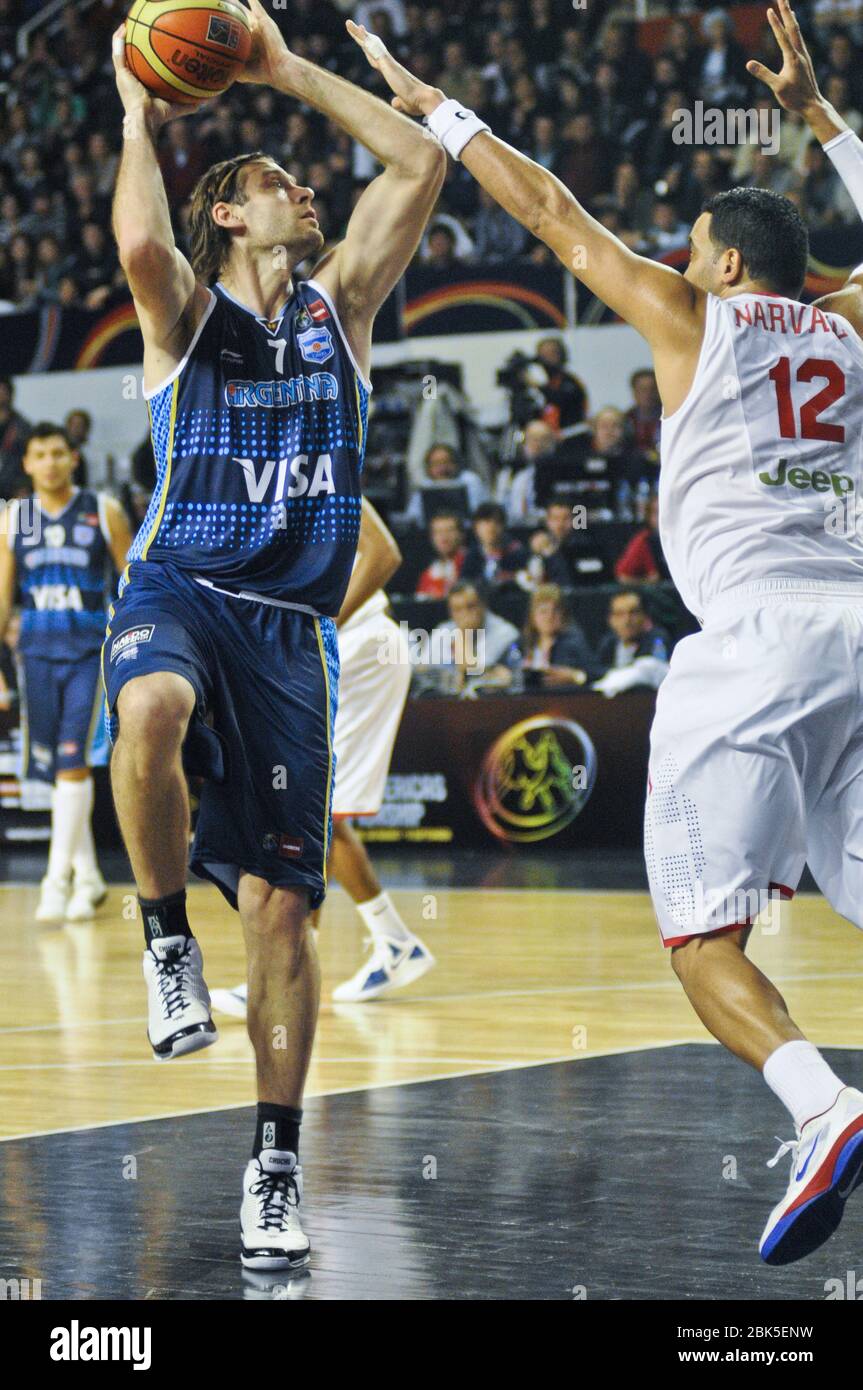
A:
x: 655, y: 299
x: 388, y: 221
x: 167, y: 297
x: 378, y: 558
x: 795, y: 87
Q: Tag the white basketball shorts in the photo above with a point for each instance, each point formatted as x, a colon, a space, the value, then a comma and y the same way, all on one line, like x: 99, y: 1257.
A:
x: 756, y: 759
x: 372, y: 694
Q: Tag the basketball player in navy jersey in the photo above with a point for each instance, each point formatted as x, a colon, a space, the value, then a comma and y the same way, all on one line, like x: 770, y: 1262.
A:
x: 221, y: 651
x: 58, y: 547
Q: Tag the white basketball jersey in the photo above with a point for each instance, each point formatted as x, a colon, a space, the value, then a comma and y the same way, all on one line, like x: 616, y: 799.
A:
x: 761, y: 465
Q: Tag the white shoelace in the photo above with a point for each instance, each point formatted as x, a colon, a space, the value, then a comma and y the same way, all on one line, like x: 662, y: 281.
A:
x: 786, y: 1146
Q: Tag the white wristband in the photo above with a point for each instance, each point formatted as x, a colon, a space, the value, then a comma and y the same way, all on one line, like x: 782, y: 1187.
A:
x: 454, y: 126
x: 846, y: 154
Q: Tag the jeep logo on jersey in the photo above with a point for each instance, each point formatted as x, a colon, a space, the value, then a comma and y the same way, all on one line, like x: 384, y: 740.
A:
x: 801, y: 479
x: 306, y: 479
x: 130, y: 639
x: 55, y: 536
x: 57, y: 598
x: 316, y: 344
x: 276, y: 395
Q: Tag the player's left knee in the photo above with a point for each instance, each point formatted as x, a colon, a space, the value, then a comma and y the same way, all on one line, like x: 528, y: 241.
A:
x: 268, y: 910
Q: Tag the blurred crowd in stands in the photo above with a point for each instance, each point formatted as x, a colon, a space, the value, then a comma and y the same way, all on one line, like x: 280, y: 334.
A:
x: 569, y: 85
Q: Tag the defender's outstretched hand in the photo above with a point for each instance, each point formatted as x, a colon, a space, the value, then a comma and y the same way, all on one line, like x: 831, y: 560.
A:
x: 795, y: 86
x: 412, y: 97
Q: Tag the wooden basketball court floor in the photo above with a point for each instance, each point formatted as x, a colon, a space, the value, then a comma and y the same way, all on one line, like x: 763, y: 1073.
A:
x: 541, y: 1116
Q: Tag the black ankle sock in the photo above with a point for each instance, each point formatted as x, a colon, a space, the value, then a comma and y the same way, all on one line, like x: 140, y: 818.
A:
x: 277, y: 1127
x: 165, y: 916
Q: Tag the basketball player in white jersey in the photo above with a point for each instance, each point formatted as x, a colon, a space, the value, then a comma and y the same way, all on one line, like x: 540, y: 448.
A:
x: 372, y: 693
x: 756, y: 762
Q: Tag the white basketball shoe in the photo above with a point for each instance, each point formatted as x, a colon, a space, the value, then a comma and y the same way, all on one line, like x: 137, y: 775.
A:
x: 89, y: 891
x: 179, y: 1001
x: 391, y: 966
x: 230, y: 1001
x: 270, y: 1230
x: 827, y: 1165
x: 53, y: 897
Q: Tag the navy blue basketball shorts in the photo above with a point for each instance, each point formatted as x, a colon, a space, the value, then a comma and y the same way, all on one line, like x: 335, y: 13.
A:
x: 61, y: 715
x: 266, y: 684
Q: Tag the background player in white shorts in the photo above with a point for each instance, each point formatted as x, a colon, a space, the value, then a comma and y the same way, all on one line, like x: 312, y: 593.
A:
x: 757, y: 748
x: 372, y: 694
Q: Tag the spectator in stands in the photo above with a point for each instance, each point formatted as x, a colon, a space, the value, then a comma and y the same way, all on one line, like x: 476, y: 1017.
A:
x: 719, y: 81
x: 683, y: 47
x: 97, y: 270
x: 440, y: 248
x: 585, y: 159
x: 447, y: 541
x: 634, y: 652
x: 565, y: 395
x: 593, y: 470
x: 667, y: 231
x: 444, y: 473
x: 474, y: 644
x: 497, y: 236
x: 78, y: 425
x: 563, y: 554
x: 553, y: 645
x: 14, y: 430
x: 643, y: 419
x: 540, y: 442
x: 642, y: 561
x: 493, y: 556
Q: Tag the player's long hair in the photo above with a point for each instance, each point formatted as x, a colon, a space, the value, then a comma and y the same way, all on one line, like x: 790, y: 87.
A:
x: 209, y: 244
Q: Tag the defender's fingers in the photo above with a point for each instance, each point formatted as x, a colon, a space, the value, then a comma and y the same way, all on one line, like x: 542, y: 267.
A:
x: 763, y: 74
x: 780, y: 35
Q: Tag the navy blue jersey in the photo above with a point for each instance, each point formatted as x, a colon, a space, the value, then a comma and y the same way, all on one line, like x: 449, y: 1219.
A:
x: 61, y: 564
x: 259, y: 439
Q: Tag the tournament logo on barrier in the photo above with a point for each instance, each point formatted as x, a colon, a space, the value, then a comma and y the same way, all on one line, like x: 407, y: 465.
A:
x: 535, y: 779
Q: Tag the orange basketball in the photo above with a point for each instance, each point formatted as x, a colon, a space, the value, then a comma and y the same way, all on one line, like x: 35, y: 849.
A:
x: 187, y: 50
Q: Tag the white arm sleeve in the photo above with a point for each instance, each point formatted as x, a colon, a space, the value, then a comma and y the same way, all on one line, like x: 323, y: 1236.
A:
x: 845, y: 152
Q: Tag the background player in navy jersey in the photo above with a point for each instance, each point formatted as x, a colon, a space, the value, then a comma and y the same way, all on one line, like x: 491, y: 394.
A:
x: 221, y: 653
x: 58, y: 546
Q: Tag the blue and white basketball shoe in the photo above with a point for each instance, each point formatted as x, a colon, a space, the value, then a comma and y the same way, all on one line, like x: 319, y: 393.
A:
x: 827, y: 1166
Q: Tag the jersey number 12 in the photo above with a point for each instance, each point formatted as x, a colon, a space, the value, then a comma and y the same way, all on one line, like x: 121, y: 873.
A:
x: 811, y: 427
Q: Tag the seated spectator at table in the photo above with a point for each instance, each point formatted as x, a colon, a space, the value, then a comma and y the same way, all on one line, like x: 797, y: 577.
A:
x: 589, y: 469
x: 539, y: 443
x: 493, y: 556
x: 644, y: 417
x: 447, y: 542
x: 561, y: 554
x: 444, y: 474
x: 14, y: 430
x: 643, y: 562
x: 634, y: 652
x: 474, y: 646
x: 554, y: 646
x: 565, y: 396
